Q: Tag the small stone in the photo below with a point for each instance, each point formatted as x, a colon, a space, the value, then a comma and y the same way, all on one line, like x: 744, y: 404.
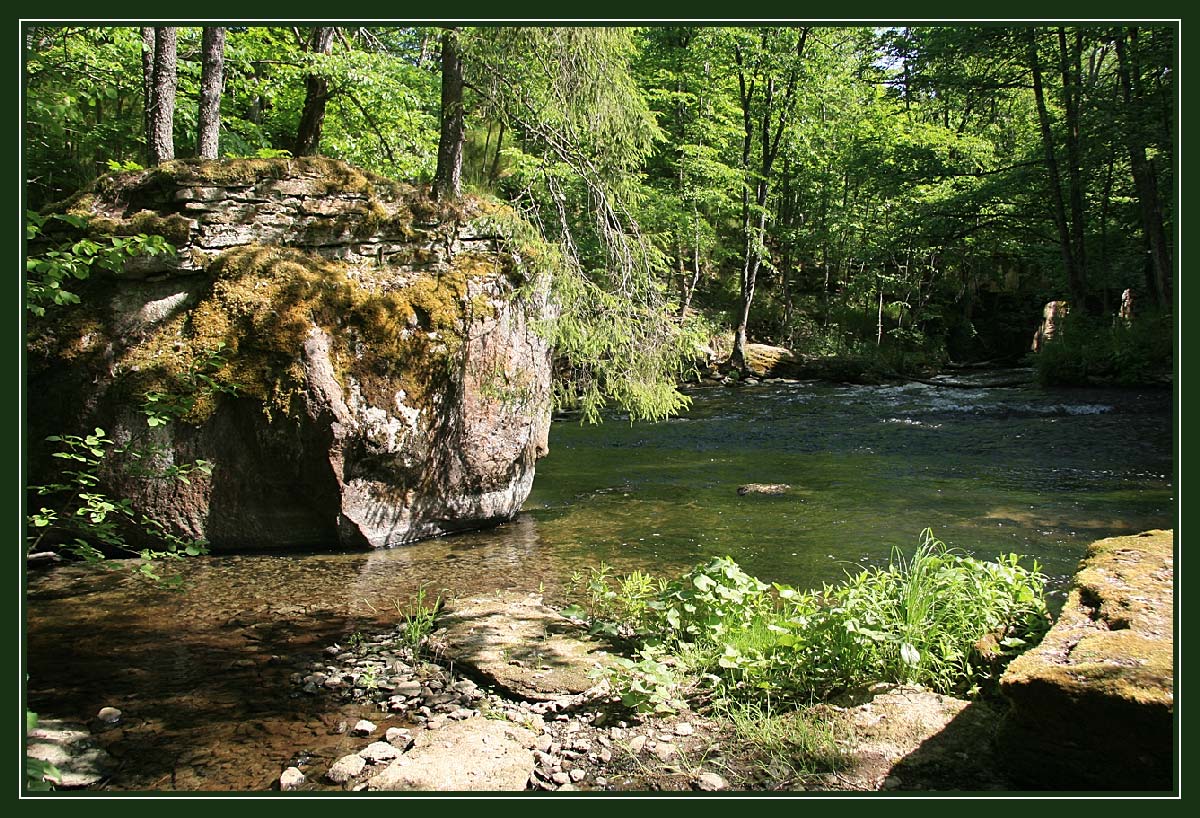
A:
x: 636, y: 744
x: 333, y: 650
x: 711, y: 782
x: 891, y: 783
x: 434, y: 724
x: 398, y: 737
x: 665, y: 751
x: 684, y: 729
x: 378, y: 751
x: 363, y: 728
x: 561, y: 778
x: 109, y: 715
x: 577, y: 775
x: 408, y: 689
x: 241, y: 663
x: 345, y: 768
x: 542, y: 743
x: 291, y: 779
x: 605, y: 755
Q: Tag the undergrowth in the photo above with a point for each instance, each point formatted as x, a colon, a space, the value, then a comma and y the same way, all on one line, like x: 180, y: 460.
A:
x: 718, y: 636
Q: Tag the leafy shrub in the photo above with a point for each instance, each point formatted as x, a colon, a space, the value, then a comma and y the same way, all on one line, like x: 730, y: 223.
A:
x: 1087, y: 350
x: 719, y: 634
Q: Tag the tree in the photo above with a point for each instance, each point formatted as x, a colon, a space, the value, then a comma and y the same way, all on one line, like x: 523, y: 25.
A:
x: 161, y: 82
x: 1144, y: 176
x: 447, y: 181
x: 767, y: 73
x: 312, y: 118
x: 212, y: 79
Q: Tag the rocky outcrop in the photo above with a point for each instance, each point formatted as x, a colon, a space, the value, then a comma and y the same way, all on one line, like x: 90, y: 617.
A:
x: 358, y: 364
x: 1093, y: 705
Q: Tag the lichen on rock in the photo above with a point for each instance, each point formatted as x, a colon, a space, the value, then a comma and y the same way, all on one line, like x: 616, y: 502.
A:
x: 381, y: 377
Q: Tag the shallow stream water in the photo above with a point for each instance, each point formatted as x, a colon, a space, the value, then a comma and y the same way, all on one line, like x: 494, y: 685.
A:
x: 202, y: 676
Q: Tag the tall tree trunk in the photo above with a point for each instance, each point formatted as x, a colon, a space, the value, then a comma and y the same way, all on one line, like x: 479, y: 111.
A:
x: 160, y: 136
x: 1074, y: 283
x: 494, y: 172
x: 1070, y: 68
x: 774, y: 115
x: 212, y: 79
x: 1144, y: 177
x: 312, y: 119
x: 447, y: 180
x: 147, y: 84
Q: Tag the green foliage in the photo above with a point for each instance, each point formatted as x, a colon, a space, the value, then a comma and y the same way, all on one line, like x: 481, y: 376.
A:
x: 418, y: 617
x: 718, y: 634
x: 196, y: 383
x: 49, y: 271
x: 84, y: 520
x: 1087, y: 350
x: 789, y: 745
x: 919, y: 620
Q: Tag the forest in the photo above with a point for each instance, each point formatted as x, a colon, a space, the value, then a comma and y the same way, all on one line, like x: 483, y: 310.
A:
x: 902, y: 196
x: 307, y: 305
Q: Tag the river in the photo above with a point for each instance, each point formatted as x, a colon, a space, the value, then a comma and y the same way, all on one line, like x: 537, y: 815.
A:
x: 202, y: 676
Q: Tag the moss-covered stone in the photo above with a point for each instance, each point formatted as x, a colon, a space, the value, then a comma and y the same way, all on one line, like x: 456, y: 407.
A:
x: 1093, y: 704
x: 345, y: 319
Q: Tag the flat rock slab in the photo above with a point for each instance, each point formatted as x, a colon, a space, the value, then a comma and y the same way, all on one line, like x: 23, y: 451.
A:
x: 1093, y: 704
x: 476, y: 754
x: 69, y: 747
x: 517, y: 644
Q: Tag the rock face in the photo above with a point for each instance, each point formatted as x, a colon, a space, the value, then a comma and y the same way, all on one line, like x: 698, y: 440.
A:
x: 1052, y: 317
x: 358, y: 364
x: 1093, y: 705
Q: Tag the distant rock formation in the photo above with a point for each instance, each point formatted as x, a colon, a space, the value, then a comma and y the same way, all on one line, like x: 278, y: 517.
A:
x: 378, y: 377
x: 1093, y: 705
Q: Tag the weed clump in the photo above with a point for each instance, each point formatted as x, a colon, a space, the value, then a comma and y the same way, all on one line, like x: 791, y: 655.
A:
x: 939, y: 619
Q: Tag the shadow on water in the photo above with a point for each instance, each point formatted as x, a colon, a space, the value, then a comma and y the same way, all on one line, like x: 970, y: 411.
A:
x: 203, y: 677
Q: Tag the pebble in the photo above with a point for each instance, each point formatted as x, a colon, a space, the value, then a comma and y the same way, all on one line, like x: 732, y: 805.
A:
x: 561, y: 778
x: 684, y: 729
x: 636, y: 744
x: 363, y: 728
x: 711, y: 782
x: 109, y: 715
x: 578, y: 774
x: 891, y: 783
x: 542, y: 743
x: 345, y: 768
x: 291, y: 778
x: 665, y: 751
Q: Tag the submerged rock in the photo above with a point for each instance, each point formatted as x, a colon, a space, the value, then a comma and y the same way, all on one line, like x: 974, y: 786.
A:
x: 764, y: 488
x: 377, y: 374
x: 1093, y: 705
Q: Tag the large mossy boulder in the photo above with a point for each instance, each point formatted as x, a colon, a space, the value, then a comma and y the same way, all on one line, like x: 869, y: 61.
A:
x: 358, y: 363
x: 1093, y: 705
